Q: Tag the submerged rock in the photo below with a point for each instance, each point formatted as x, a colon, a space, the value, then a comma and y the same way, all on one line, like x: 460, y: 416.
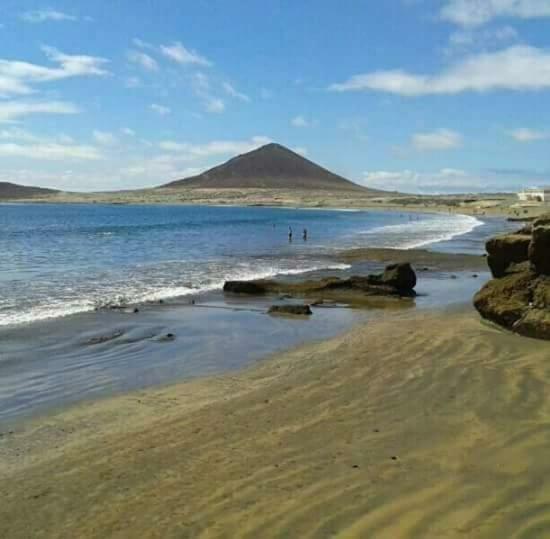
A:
x: 299, y: 310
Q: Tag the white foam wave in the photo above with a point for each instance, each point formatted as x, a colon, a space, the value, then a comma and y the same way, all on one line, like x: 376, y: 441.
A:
x: 425, y: 232
x: 132, y: 297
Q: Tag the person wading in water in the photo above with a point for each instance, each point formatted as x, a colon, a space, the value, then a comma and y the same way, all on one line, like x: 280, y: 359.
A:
x: 305, y: 234
x: 289, y: 234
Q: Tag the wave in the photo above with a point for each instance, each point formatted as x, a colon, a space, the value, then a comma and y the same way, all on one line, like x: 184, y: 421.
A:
x: 61, y: 309
x: 415, y: 234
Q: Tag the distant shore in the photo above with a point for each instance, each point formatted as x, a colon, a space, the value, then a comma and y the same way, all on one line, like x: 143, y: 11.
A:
x: 424, y: 424
x: 477, y: 205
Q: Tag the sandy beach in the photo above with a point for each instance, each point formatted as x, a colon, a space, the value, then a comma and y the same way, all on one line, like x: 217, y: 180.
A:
x: 421, y: 424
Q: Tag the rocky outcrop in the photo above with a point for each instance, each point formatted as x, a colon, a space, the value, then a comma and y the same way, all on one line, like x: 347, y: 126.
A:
x: 518, y: 298
x: 295, y: 310
x: 398, y: 280
x: 252, y: 288
x: 504, y: 252
x: 399, y: 276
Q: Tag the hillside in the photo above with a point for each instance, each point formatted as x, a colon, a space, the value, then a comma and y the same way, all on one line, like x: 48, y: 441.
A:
x: 12, y: 191
x: 270, y: 167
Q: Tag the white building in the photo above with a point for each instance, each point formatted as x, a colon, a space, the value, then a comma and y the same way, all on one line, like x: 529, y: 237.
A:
x: 535, y: 194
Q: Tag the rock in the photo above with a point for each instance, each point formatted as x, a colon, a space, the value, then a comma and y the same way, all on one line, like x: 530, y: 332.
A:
x: 400, y: 276
x: 543, y: 220
x: 539, y: 249
x: 535, y: 323
x: 299, y: 310
x: 167, y: 337
x: 505, y: 300
x: 526, y: 230
x: 244, y: 287
x: 504, y: 251
x: 519, y: 298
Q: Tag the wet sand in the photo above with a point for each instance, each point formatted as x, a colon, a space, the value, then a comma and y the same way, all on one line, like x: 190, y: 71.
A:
x: 422, y: 424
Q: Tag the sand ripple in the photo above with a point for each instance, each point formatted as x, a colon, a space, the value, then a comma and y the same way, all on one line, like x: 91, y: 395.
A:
x: 417, y: 426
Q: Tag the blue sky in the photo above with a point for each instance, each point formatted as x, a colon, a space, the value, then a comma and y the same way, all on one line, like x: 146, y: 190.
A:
x: 415, y: 95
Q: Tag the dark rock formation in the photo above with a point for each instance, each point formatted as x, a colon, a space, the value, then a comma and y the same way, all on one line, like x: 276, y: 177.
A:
x: 539, y: 249
x: 399, y: 276
x: 505, y: 251
x: 253, y: 288
x: 297, y: 310
x: 519, y: 296
x: 398, y: 280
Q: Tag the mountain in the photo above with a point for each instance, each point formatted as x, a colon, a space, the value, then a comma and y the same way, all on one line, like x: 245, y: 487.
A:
x: 270, y: 167
x: 14, y: 191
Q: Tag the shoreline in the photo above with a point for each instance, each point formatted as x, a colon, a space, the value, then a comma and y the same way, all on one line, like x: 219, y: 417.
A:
x: 504, y: 205
x: 408, y: 426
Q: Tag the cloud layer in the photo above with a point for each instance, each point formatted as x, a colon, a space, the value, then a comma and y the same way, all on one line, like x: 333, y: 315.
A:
x: 517, y: 68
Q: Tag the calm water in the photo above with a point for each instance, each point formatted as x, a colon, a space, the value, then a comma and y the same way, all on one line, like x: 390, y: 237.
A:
x: 66, y: 259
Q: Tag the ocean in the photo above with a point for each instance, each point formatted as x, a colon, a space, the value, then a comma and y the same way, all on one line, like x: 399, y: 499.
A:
x: 61, y: 263
x: 59, y: 260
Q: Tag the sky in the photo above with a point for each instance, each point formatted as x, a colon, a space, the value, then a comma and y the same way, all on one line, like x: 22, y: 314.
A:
x: 423, y: 96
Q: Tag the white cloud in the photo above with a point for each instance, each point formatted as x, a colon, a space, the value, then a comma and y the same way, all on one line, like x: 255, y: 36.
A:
x: 43, y: 15
x: 74, y: 65
x: 178, y: 53
x: 519, y: 68
x: 50, y: 151
x: 17, y: 77
x: 215, y: 105
x: 11, y: 111
x: 446, y: 180
x: 524, y: 134
x: 189, y: 151
x: 299, y: 121
x: 484, y: 39
x: 230, y: 90
x: 478, y: 12
x: 438, y: 140
x: 128, y: 132
x: 161, y: 109
x: 143, y: 60
x: 105, y: 138
x: 16, y: 133
x: 300, y: 150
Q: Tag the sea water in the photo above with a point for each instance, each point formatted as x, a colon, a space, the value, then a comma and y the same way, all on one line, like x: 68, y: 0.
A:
x: 59, y: 260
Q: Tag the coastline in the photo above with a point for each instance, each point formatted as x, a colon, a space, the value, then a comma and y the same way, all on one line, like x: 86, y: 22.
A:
x: 501, y: 205
x: 426, y: 423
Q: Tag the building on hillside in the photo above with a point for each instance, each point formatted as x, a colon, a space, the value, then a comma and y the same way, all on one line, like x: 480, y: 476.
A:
x: 535, y: 194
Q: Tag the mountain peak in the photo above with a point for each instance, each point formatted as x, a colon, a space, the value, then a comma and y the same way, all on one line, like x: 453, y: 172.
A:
x: 272, y: 166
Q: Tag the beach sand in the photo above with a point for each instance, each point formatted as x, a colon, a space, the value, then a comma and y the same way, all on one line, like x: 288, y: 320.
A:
x: 422, y: 424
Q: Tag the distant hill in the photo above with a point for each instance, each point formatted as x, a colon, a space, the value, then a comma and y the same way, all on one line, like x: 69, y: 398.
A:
x: 270, y: 167
x: 14, y: 191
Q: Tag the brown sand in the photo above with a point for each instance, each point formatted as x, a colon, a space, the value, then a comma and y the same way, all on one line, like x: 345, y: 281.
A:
x: 421, y: 425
